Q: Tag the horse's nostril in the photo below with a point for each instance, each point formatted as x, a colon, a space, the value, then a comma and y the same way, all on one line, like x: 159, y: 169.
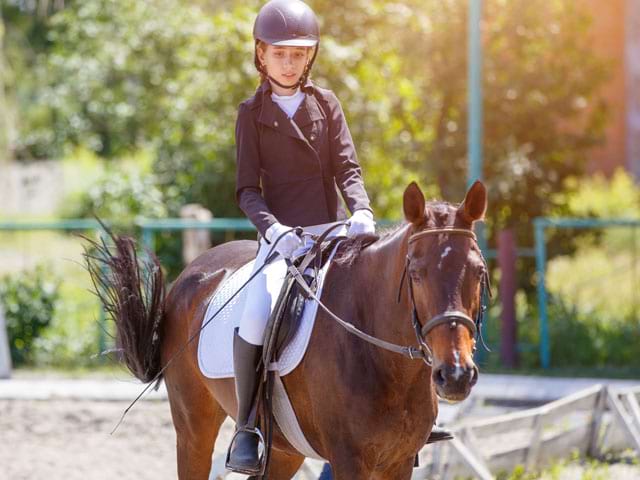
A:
x: 439, y: 377
x: 473, y: 376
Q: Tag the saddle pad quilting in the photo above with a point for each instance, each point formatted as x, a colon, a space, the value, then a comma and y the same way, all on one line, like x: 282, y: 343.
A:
x: 215, y: 346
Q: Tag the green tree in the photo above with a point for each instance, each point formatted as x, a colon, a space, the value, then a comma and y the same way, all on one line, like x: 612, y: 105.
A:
x: 168, y: 75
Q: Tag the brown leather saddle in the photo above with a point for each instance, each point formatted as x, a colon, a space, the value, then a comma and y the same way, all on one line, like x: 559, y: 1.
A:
x: 287, y: 313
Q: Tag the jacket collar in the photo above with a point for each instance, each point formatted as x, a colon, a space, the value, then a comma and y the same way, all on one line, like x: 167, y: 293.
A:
x: 273, y: 116
x: 265, y: 87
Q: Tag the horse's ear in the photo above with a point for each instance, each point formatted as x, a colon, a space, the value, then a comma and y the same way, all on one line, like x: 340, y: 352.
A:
x: 413, y: 204
x: 474, y: 205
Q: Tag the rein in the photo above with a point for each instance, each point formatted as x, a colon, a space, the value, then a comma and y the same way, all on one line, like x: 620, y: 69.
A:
x: 452, y: 317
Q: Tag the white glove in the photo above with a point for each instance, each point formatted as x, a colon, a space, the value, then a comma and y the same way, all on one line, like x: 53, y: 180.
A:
x: 361, y: 222
x: 287, y: 244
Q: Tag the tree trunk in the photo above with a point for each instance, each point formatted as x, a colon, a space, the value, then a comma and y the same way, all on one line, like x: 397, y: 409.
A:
x: 4, y: 114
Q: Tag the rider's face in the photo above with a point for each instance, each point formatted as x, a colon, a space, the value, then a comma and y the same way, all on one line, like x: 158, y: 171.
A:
x: 285, y: 64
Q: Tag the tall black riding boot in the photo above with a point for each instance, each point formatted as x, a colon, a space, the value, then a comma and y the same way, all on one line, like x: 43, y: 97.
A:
x: 243, y: 452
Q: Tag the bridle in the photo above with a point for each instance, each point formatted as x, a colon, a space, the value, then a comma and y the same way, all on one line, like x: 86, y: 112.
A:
x: 451, y: 317
x: 423, y: 351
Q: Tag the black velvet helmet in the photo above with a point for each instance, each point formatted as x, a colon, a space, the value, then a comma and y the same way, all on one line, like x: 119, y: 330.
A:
x: 287, y: 23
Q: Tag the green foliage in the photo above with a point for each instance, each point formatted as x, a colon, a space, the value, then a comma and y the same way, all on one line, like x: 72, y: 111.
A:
x: 71, y: 338
x: 121, y: 197
x: 575, y: 467
x: 591, y: 340
x: 594, y: 286
x: 165, y: 78
x: 29, y: 300
x: 119, y: 76
x: 601, y: 197
x: 160, y: 74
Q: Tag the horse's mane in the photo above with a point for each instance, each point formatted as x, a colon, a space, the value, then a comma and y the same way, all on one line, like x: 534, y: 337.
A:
x: 349, y: 249
x: 442, y: 213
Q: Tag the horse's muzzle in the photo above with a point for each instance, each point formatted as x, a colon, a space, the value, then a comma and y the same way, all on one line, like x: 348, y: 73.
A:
x: 454, y: 382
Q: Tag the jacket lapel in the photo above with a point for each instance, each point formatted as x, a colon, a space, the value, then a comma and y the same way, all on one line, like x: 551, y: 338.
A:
x: 309, y: 111
x: 271, y: 114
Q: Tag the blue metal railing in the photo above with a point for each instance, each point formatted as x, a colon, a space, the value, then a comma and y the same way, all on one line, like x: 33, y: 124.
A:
x: 540, y: 225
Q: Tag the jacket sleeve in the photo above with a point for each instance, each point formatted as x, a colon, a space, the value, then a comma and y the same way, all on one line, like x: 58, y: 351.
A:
x: 344, y: 159
x: 248, y: 192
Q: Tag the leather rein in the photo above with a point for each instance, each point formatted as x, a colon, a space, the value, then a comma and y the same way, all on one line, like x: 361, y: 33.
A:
x: 453, y: 318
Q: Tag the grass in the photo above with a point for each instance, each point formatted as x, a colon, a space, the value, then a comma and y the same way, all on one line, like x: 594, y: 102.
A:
x: 619, y: 465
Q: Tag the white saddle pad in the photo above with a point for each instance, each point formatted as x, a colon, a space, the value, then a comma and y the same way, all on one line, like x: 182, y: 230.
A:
x: 215, y: 347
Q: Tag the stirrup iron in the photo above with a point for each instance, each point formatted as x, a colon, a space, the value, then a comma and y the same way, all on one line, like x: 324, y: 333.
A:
x: 261, y: 458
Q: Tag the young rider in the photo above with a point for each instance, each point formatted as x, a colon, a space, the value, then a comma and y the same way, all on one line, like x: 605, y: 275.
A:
x: 295, y: 156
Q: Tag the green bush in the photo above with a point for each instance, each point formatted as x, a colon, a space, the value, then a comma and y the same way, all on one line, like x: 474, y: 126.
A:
x: 581, y: 339
x: 593, y: 286
x: 29, y: 300
x: 71, y: 340
x: 121, y: 197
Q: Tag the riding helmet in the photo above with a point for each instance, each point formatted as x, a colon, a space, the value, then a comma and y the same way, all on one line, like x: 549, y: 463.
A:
x: 287, y: 23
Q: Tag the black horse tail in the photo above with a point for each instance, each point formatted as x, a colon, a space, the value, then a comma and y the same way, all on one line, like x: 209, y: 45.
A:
x: 130, y: 287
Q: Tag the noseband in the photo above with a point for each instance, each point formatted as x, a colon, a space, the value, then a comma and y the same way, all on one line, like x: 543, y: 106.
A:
x: 451, y: 317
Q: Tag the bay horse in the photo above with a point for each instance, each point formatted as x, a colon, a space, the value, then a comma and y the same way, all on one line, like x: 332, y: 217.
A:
x: 368, y: 411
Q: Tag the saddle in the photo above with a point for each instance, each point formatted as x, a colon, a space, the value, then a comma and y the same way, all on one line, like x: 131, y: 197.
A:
x: 281, y: 328
x: 286, y: 315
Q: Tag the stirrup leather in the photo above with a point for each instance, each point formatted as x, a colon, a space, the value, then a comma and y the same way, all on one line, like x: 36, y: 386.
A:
x: 261, y: 459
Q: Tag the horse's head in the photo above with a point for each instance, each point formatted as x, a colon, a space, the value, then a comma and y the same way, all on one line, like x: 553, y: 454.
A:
x: 447, y: 273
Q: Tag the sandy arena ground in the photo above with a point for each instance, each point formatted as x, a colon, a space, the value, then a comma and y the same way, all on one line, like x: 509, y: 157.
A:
x: 68, y: 440
x: 71, y: 440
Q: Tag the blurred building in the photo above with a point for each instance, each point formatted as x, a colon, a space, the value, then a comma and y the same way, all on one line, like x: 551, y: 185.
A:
x: 616, y: 30
x: 34, y: 188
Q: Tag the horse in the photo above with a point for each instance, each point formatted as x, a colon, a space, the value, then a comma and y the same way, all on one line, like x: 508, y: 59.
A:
x: 364, y: 409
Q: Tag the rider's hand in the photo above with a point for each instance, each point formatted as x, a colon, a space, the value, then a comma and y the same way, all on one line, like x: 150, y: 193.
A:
x: 361, y: 222
x: 288, y: 244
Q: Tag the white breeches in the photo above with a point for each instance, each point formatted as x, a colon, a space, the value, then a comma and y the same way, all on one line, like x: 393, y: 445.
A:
x: 263, y: 290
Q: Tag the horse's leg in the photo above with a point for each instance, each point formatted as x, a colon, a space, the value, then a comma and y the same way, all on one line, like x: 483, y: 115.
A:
x: 282, y: 465
x: 397, y: 471
x: 350, y: 466
x: 197, y: 418
x: 350, y: 472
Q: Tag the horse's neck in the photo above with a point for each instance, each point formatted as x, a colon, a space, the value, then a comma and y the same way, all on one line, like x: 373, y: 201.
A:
x: 380, y: 273
x: 381, y: 270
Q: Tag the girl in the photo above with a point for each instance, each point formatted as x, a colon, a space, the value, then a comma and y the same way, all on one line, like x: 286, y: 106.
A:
x: 294, y: 155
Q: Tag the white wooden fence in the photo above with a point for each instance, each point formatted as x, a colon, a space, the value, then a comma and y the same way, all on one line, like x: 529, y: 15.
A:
x: 588, y: 422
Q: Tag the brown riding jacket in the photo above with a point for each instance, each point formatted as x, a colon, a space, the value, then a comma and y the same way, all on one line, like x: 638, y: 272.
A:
x: 292, y: 170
